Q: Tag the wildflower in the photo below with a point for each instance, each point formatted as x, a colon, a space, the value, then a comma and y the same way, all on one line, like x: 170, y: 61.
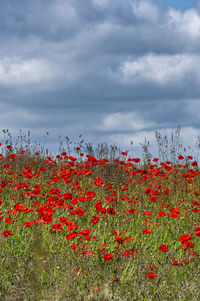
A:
x: 85, y: 232
x: 163, y: 248
x: 197, y: 233
x: 176, y: 262
x: 132, y: 211
x: 136, y: 160
x: 102, y: 250
x: 27, y: 224
x: 108, y: 256
x: 87, y: 252
x: 151, y: 275
x: 148, y: 190
x: 67, y: 196
x: 57, y: 227
x: 90, y: 195
x: 147, y: 230
x: 94, y: 220
x: 110, y: 211
x: 124, y: 154
x: 9, y: 220
x: 127, y: 253
x: 80, y: 212
x: 98, y: 181
x: 28, y: 175
x: 119, y: 239
x: 7, y: 233
x: 194, y: 163
x: 62, y: 219
x: 71, y: 235
x: 115, y: 280
x: 73, y: 246
x: 185, y: 238
x: 187, y: 245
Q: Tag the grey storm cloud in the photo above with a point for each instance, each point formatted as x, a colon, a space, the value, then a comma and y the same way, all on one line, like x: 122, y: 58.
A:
x: 95, y: 65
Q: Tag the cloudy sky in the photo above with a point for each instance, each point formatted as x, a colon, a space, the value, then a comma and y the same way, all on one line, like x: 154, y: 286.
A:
x: 114, y: 71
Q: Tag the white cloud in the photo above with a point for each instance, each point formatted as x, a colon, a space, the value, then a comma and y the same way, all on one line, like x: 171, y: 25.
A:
x: 161, y: 68
x: 145, y: 10
x: 125, y: 139
x: 187, y: 22
x: 64, y: 10
x: 100, y: 3
x: 190, y: 135
x: 14, y: 71
x: 125, y: 122
x: 12, y: 115
x: 192, y: 108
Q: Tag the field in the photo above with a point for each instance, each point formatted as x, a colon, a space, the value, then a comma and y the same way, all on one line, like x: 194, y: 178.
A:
x: 87, y: 228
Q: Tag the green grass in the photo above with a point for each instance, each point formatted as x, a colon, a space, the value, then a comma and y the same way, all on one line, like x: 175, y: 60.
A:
x: 146, y: 257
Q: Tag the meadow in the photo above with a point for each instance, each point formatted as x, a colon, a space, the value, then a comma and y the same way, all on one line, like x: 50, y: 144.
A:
x: 96, y: 227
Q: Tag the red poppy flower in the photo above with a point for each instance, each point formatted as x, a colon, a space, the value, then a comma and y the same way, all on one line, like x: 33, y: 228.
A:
x: 119, y: 239
x: 102, y: 250
x: 87, y: 252
x: 197, y: 233
x: 9, y: 220
x: 28, y: 175
x: 136, y: 160
x: 74, y: 246
x: 57, y: 227
x: 80, y: 212
x: 194, y: 163
x: 27, y: 224
x: 132, y: 211
x: 147, y: 230
x: 148, y: 190
x: 71, y: 235
x: 185, y: 238
x: 90, y: 194
x: 62, y: 219
x: 163, y: 248
x: 124, y: 154
x: 98, y: 181
x: 176, y: 262
x: 94, y: 220
x: 111, y: 211
x: 151, y: 275
x: 7, y: 233
x: 85, y: 232
x: 82, y: 199
x: 108, y: 256
x: 67, y: 196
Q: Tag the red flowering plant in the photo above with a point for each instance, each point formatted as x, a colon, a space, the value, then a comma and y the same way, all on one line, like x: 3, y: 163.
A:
x: 91, y: 221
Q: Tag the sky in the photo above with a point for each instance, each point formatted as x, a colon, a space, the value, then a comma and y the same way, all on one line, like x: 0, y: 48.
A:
x: 113, y: 71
